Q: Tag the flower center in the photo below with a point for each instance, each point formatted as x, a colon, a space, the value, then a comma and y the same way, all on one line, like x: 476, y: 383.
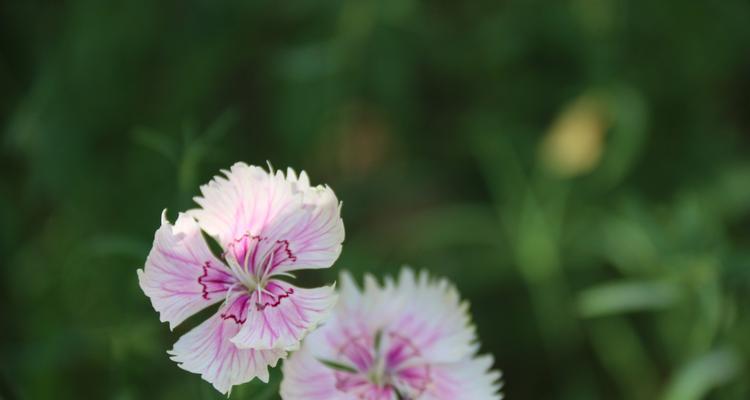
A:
x: 241, y: 271
x: 253, y: 259
x: 380, y: 366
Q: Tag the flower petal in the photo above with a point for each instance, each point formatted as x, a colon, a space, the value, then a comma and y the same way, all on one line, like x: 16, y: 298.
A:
x: 271, y: 221
x: 311, y: 236
x: 207, y: 350
x: 306, y: 378
x: 236, y: 204
x: 434, y: 318
x: 467, y: 379
x: 181, y: 275
x: 283, y: 314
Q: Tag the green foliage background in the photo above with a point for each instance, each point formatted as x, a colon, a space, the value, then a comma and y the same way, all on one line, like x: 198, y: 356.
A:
x: 624, y: 278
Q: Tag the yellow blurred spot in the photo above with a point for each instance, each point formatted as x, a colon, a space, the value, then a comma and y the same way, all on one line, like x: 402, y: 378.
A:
x: 575, y: 142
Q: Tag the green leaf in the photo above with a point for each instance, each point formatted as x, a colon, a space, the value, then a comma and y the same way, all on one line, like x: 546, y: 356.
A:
x: 220, y: 127
x: 378, y: 340
x: 621, y: 297
x: 698, y: 377
x: 338, y: 366
x: 157, y: 142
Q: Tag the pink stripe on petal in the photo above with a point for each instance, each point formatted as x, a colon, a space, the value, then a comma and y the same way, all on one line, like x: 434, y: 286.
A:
x: 207, y: 350
x: 237, y: 309
x: 181, y: 275
x: 310, y: 236
x: 228, y: 207
x: 247, y: 250
x: 282, y: 314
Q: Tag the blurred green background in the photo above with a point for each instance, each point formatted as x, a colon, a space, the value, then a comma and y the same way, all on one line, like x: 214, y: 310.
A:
x: 579, y: 168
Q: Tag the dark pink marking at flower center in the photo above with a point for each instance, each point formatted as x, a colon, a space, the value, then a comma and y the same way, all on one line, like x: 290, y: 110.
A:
x: 237, y: 311
x: 217, y: 282
x: 243, y: 244
x: 200, y: 280
x: 260, y: 254
x: 238, y: 321
x: 290, y: 256
x: 275, y: 303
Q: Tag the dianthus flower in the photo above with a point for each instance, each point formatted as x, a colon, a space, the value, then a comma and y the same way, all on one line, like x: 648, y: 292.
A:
x: 267, y: 225
x: 411, y: 339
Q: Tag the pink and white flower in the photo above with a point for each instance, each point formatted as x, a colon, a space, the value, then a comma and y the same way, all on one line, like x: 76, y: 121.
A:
x: 410, y: 339
x: 267, y: 224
